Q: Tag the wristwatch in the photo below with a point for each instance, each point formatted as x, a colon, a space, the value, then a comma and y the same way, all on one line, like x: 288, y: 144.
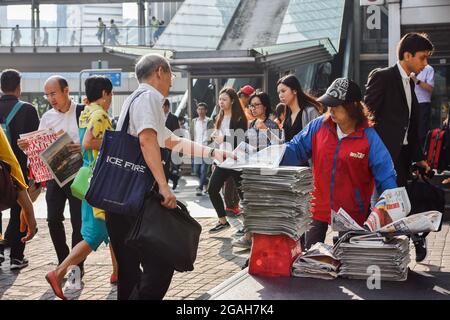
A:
x: 211, y: 153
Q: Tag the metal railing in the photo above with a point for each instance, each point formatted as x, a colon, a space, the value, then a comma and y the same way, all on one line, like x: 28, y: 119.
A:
x: 80, y: 36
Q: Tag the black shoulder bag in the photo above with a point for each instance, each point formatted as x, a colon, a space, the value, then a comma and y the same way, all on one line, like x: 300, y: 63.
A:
x: 168, y: 234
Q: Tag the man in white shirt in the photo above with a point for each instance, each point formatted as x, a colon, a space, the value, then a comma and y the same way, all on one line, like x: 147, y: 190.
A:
x: 62, y: 117
x: 147, y: 122
x: 424, y: 88
x: 202, y: 128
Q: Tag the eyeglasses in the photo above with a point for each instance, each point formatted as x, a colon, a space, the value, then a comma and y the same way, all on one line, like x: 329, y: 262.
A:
x: 253, y: 106
x: 50, y: 95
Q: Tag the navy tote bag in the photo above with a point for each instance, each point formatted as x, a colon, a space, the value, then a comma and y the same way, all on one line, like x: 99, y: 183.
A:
x: 121, y: 178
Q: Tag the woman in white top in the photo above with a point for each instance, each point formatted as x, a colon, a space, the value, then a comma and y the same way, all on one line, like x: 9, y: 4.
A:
x: 230, y: 128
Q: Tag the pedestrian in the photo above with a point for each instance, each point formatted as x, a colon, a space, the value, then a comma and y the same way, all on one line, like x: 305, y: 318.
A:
x: 73, y: 38
x: 262, y: 132
x: 8, y: 157
x: 301, y: 107
x: 147, y: 122
x: 391, y: 98
x: 45, y: 40
x: 230, y: 127
x: 171, y: 169
x: 113, y: 33
x: 93, y: 123
x: 348, y: 157
x: 154, y: 26
x: 17, y: 35
x: 62, y: 117
x: 24, y: 119
x: 424, y: 84
x: 101, y: 28
x: 244, y: 96
x: 200, y: 132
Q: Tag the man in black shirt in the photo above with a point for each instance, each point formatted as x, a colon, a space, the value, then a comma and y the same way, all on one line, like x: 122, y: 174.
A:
x: 25, y: 120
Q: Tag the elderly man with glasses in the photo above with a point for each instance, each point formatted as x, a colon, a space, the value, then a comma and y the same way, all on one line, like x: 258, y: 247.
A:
x: 63, y: 117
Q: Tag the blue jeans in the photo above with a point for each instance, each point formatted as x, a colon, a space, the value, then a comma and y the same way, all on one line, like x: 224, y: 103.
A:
x: 201, y: 170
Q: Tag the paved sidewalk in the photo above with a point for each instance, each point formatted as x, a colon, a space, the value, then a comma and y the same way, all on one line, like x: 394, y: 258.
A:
x: 217, y: 261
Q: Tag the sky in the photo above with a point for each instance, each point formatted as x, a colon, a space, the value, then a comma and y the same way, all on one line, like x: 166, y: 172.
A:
x: 48, y: 12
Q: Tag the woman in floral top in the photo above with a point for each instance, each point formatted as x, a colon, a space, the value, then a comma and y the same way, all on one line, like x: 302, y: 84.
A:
x: 93, y: 123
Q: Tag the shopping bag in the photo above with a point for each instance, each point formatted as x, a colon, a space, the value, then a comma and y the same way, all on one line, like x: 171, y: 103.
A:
x: 121, y: 177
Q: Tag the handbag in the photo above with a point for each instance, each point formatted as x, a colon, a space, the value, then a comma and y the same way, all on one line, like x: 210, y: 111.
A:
x: 80, y: 184
x: 121, y: 178
x: 8, y: 194
x: 171, y: 235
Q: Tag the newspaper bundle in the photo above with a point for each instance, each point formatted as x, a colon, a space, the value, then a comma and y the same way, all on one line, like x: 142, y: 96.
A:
x: 61, y: 162
x: 38, y: 141
x: 363, y: 255
x: 318, y: 262
x: 277, y: 203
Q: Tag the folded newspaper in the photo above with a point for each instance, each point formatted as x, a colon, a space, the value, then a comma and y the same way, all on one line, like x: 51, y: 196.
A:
x: 38, y: 141
x: 318, y: 262
x: 389, y: 216
x: 363, y: 254
x: 61, y: 162
x: 247, y: 157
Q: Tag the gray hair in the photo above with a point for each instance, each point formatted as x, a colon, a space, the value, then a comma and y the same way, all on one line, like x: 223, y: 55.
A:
x: 149, y: 64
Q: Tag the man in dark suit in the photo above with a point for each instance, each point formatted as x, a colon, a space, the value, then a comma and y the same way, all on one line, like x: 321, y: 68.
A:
x: 390, y: 97
x: 171, y: 170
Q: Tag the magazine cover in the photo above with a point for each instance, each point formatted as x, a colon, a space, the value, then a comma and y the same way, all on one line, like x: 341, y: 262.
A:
x: 38, y: 141
x: 62, y: 163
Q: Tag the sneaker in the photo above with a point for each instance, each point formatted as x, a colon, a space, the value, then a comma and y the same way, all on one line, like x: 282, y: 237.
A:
x: 233, y: 212
x: 242, y: 243
x: 219, y: 227
x: 17, y: 264
x: 421, y: 248
x: 198, y: 192
x: 239, y: 233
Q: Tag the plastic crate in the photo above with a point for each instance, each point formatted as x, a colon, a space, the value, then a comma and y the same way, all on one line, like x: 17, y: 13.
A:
x: 273, y: 255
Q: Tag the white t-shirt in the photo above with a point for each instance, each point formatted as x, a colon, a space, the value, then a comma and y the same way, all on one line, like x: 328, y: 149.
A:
x: 201, y: 128
x: 224, y: 130
x: 340, y: 133
x: 67, y: 122
x: 146, y: 113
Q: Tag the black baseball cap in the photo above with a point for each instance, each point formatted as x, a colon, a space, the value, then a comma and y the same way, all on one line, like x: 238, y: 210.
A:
x: 342, y: 90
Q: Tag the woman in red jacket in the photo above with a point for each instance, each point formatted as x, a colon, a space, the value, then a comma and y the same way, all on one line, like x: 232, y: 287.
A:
x: 348, y: 159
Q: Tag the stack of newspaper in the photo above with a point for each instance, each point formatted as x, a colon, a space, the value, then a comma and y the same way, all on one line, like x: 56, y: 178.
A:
x: 276, y: 201
x: 366, y: 255
x: 318, y: 262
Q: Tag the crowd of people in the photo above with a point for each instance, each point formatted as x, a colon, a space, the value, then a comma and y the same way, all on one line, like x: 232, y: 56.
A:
x: 357, y: 147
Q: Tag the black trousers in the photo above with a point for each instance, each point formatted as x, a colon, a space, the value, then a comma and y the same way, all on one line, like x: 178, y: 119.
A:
x: 13, y: 234
x: 317, y: 233
x: 150, y: 283
x: 216, y: 182
x: 402, y: 165
x: 56, y: 201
